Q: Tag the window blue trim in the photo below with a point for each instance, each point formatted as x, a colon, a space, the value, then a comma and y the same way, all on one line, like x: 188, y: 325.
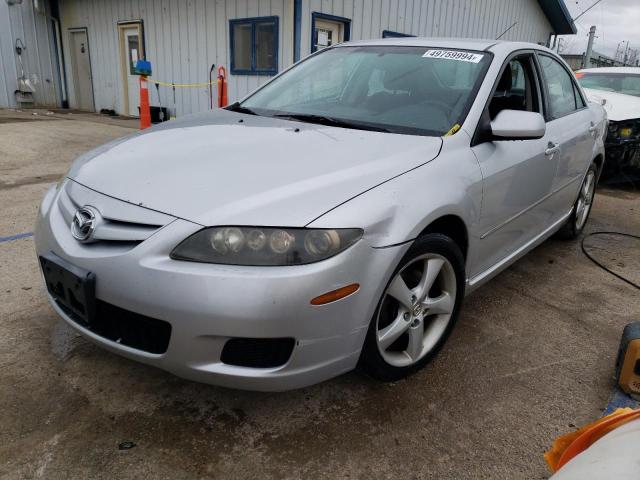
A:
x: 392, y: 34
x: 253, y: 22
x: 323, y: 16
x: 297, y: 29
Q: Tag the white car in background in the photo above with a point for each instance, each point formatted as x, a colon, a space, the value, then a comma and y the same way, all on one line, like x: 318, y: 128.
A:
x: 618, y: 90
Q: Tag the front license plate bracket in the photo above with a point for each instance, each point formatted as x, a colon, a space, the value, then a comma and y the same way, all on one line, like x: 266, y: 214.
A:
x: 73, y: 288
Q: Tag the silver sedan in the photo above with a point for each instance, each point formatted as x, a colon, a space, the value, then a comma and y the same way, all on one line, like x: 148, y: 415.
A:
x: 333, y: 219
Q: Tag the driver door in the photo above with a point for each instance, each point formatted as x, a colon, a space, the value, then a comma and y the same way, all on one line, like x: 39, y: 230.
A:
x: 518, y: 175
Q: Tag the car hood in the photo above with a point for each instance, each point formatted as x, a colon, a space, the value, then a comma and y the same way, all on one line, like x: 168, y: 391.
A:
x: 618, y: 105
x: 228, y: 168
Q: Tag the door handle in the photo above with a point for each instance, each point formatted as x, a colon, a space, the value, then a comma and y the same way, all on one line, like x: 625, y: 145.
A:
x: 593, y: 129
x: 552, y: 148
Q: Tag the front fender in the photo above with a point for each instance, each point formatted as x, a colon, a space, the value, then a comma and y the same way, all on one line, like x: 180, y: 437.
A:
x: 397, y: 211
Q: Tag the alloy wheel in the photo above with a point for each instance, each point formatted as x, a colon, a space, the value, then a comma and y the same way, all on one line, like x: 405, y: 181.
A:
x: 585, y: 199
x: 416, y: 310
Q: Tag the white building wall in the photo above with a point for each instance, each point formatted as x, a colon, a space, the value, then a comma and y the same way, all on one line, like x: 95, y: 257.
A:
x: 433, y: 18
x: 35, y: 30
x: 184, y: 37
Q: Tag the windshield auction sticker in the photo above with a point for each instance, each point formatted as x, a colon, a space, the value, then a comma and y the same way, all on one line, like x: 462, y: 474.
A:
x: 454, y: 55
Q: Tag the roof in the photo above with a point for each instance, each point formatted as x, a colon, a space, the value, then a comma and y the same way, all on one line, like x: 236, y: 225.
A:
x: 439, y: 42
x: 559, y: 17
x: 631, y: 70
x: 500, y: 46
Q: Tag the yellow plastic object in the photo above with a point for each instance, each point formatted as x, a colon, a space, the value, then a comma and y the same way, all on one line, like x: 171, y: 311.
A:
x: 625, y: 132
x: 629, y: 379
x: 567, y: 446
x: 628, y: 361
x: 453, y: 130
x: 182, y: 85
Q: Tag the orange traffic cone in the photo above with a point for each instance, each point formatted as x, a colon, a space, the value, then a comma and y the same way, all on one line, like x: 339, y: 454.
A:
x: 145, y: 110
x: 222, y: 87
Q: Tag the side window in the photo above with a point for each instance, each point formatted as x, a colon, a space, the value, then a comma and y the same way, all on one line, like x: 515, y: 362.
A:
x: 561, y: 91
x: 254, y: 46
x: 516, y: 89
x: 579, y: 100
x: 517, y: 76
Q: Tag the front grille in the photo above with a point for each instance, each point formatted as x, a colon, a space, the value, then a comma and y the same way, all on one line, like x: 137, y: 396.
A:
x: 257, y: 352
x: 122, y: 224
x: 126, y: 327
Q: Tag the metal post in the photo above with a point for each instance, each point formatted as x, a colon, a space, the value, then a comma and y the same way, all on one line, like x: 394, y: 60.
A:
x: 626, y: 54
x: 587, y: 57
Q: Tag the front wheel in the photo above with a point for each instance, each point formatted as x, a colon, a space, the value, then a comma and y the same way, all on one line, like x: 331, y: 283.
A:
x: 417, y: 311
x: 582, y: 208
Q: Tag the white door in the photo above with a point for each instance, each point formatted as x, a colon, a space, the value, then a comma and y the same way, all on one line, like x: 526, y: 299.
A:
x: 327, y: 33
x: 131, y: 52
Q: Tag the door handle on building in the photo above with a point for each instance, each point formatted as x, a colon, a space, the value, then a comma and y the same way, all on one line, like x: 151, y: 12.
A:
x: 552, y: 148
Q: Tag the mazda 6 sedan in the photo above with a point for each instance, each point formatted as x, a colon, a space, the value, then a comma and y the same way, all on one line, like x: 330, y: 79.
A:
x: 333, y: 219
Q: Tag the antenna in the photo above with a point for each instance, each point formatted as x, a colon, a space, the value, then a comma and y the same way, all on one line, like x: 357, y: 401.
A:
x: 514, y: 24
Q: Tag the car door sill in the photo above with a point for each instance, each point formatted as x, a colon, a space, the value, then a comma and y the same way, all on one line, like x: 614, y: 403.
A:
x: 482, y: 277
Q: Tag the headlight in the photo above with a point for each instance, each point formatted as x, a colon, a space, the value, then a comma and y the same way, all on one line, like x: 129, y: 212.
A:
x: 265, y: 246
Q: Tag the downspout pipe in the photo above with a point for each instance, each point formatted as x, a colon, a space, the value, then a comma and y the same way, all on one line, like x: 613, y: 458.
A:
x: 62, y: 75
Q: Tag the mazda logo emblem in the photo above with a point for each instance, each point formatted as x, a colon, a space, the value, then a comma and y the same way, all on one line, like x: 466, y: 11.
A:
x: 84, y: 224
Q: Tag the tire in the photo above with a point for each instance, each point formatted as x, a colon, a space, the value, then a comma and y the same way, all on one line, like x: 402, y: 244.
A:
x: 405, y: 336
x: 576, y: 222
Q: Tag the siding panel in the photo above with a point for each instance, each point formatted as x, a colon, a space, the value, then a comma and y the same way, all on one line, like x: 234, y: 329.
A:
x: 184, y: 37
x: 35, y: 31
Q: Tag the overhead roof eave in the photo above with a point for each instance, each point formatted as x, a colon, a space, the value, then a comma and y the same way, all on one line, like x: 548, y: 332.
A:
x: 559, y: 17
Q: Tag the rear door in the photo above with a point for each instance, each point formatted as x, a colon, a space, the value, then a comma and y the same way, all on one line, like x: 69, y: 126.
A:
x: 517, y: 174
x: 571, y: 130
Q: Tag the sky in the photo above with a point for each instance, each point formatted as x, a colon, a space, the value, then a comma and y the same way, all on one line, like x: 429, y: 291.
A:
x: 615, y: 20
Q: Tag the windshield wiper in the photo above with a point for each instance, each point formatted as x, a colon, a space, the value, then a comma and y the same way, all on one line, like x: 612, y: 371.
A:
x: 330, y: 121
x: 236, y: 107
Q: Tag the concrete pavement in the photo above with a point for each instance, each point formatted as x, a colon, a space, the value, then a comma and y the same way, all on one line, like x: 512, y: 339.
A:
x: 532, y: 356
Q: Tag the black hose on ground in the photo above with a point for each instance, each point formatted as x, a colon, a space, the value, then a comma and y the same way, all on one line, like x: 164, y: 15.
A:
x: 605, y: 268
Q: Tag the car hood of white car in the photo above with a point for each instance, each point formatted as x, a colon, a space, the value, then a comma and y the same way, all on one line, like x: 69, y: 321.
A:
x: 619, y: 106
x: 224, y: 168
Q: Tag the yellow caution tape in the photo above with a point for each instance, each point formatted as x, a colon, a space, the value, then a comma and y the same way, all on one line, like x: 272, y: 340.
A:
x: 182, y: 85
x: 453, y: 130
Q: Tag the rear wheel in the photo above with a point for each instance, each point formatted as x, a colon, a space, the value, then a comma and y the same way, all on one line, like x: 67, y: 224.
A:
x: 582, y: 208
x: 417, y: 311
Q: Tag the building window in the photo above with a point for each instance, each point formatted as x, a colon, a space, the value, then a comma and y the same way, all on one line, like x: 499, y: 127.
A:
x: 254, y: 46
x: 328, y: 30
x: 391, y: 34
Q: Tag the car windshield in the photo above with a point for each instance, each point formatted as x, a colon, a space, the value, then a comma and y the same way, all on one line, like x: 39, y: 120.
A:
x: 626, y: 83
x: 409, y: 90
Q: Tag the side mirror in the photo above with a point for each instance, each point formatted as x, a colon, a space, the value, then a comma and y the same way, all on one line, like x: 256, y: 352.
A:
x: 518, y: 125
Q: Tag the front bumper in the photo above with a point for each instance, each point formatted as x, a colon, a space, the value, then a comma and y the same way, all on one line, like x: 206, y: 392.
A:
x: 207, y: 305
x: 622, y: 163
